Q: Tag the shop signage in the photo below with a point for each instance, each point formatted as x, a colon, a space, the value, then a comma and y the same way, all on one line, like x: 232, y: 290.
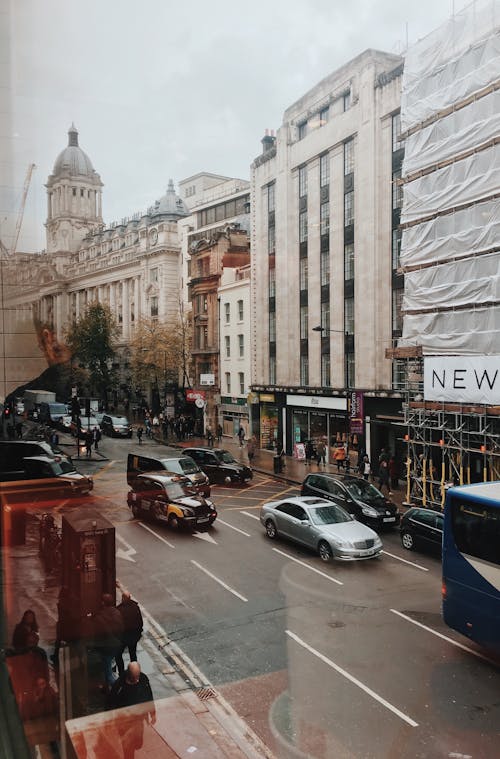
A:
x: 207, y: 379
x: 312, y: 401
x: 462, y: 379
x: 193, y: 395
x: 267, y: 398
x: 356, y: 412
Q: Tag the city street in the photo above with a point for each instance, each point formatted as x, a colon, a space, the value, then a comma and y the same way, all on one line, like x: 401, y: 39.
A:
x: 348, y: 660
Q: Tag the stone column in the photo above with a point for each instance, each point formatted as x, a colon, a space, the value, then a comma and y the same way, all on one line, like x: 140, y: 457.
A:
x: 126, y: 308
x: 137, y: 299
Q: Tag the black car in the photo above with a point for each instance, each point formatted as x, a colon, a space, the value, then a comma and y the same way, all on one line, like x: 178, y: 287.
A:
x: 219, y: 465
x: 116, y: 426
x: 357, y: 496
x: 422, y: 528
x: 171, y: 499
x: 137, y: 463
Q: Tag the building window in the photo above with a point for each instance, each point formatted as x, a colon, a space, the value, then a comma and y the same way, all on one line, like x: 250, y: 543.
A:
x: 302, y: 181
x: 396, y: 248
x: 241, y: 345
x: 74, y: 192
x: 227, y: 312
x: 325, y: 370
x: 347, y: 100
x: 240, y: 310
x: 303, y: 226
x: 349, y: 208
x: 241, y: 379
x: 324, y: 170
x: 324, y: 266
x: 272, y: 370
x: 349, y: 261
x: 324, y: 218
x: 303, y: 274
x: 302, y: 130
x: 398, y: 374
x: 272, y: 283
x: 228, y: 383
x: 154, y: 306
x: 348, y: 157
x: 397, y: 142
x: 272, y: 327
x: 304, y: 322
x: 349, y: 316
x: 350, y: 370
x: 153, y: 275
x: 271, y: 197
x: 397, y: 190
x: 325, y: 314
x: 323, y: 116
x: 304, y: 371
x: 271, y: 240
x: 397, y: 310
x: 227, y: 343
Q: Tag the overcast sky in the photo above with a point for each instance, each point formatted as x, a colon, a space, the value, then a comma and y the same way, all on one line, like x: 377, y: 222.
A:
x: 161, y: 89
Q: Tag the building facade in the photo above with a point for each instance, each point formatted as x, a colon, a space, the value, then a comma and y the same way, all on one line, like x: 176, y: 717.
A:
x: 326, y: 294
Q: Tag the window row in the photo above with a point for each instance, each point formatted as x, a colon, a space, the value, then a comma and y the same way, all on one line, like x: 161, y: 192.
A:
x: 322, y: 117
x: 224, y: 211
x: 241, y: 383
x: 227, y: 311
x: 241, y: 346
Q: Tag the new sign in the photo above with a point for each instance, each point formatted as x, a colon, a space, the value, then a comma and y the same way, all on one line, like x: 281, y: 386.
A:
x: 462, y: 379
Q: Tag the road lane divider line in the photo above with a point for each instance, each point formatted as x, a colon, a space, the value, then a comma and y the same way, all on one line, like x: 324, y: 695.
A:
x: 445, y: 637
x: 307, y: 566
x: 163, y: 540
x: 221, y: 582
x: 352, y: 679
x: 405, y: 561
x: 253, y: 516
x: 237, y: 529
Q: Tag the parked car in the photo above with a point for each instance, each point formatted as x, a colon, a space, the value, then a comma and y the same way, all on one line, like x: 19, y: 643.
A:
x: 219, y: 465
x: 137, y: 464
x: 13, y: 453
x: 357, y: 496
x: 171, y: 499
x: 422, y: 528
x: 114, y: 426
x: 66, y: 480
x: 322, y: 526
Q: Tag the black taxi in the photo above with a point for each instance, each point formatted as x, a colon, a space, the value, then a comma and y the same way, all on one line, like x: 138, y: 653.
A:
x: 170, y: 499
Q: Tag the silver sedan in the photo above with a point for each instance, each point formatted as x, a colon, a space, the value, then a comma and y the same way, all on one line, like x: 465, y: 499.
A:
x: 322, y: 526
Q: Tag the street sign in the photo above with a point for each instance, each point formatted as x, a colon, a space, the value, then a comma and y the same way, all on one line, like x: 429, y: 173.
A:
x: 199, y: 403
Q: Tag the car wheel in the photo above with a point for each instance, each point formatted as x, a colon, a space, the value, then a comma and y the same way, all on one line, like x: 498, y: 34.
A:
x: 271, y: 530
x: 325, y: 552
x: 173, y: 522
x: 407, y: 540
x: 136, y: 510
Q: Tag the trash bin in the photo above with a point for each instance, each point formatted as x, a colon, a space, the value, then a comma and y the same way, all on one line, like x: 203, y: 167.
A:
x: 277, y: 464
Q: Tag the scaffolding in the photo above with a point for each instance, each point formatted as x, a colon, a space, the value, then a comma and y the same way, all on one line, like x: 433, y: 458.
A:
x: 447, y: 443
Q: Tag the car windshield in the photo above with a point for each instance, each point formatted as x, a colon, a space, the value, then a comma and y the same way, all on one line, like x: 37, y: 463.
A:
x: 363, y: 491
x: 226, y: 457
x: 63, y: 467
x: 119, y: 421
x: 188, y: 466
x: 175, y: 490
x: 329, y: 515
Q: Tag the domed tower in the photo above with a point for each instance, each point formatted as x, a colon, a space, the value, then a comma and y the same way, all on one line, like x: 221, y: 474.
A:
x: 73, y: 198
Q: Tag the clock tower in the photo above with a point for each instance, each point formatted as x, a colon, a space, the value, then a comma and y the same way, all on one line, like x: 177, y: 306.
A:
x: 74, y: 198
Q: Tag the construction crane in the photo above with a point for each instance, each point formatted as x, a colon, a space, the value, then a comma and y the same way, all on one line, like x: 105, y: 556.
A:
x: 20, y: 215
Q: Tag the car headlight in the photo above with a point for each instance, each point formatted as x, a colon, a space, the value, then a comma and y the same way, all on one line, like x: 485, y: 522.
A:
x: 188, y: 512
x: 369, y: 511
x: 341, y: 543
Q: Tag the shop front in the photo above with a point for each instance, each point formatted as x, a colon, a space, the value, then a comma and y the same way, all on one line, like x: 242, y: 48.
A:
x: 316, y: 418
x: 233, y: 414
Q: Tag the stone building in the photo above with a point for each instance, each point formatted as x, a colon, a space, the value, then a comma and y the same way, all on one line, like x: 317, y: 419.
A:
x: 326, y: 295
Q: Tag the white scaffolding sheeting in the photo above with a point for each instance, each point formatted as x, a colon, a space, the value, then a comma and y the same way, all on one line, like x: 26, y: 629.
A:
x: 451, y: 168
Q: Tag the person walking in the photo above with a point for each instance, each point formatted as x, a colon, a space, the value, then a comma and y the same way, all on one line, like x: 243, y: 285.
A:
x: 132, y: 629
x: 26, y: 631
x: 241, y: 435
x: 132, y: 688
x: 309, y: 451
x: 219, y: 433
x: 140, y: 433
x: 96, y: 436
x: 88, y: 443
x: 339, y: 456
x: 108, y: 633
x: 210, y: 437
x: 321, y: 453
x: 365, y: 467
x: 251, y: 448
x: 383, y: 475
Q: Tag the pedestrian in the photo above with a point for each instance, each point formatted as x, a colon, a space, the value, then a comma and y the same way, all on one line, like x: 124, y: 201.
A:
x: 219, y: 433
x: 366, y: 468
x: 54, y: 439
x: 309, y: 451
x: 26, y: 631
x: 339, y: 456
x: 88, y: 443
x: 321, y: 453
x: 210, y: 436
x: 241, y: 435
x: 140, y: 432
x: 96, y: 436
x: 132, y: 629
x: 251, y: 448
x: 394, y: 473
x: 132, y: 688
x: 108, y: 632
x: 383, y: 475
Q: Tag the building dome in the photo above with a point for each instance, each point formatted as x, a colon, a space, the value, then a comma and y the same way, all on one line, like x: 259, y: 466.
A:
x: 72, y: 160
x: 170, y: 204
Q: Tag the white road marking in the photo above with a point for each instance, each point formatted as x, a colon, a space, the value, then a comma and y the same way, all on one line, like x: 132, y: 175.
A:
x: 405, y: 561
x: 205, y: 536
x: 145, y: 527
x: 313, y: 569
x: 126, y: 553
x: 352, y: 679
x: 247, y: 514
x: 445, y: 637
x: 227, y: 587
x: 237, y: 529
